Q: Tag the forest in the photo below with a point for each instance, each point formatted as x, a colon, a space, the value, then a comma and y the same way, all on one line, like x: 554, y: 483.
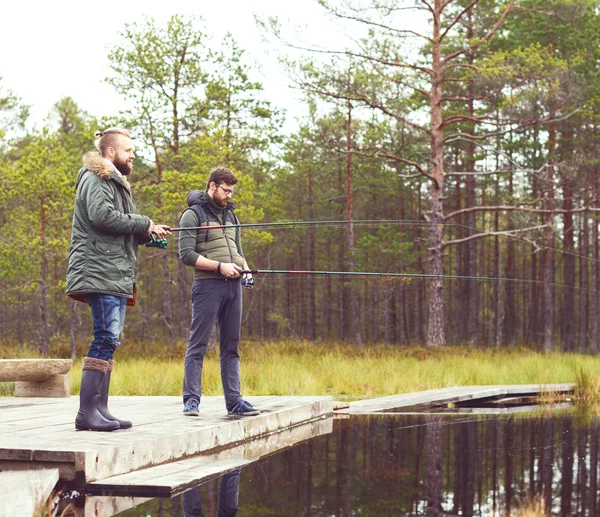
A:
x: 453, y: 141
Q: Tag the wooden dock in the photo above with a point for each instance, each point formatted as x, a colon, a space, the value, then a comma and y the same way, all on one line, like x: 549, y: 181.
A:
x: 431, y: 399
x: 39, y: 433
x: 166, y: 452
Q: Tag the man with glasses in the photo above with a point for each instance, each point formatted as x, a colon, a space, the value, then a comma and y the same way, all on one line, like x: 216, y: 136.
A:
x: 217, y: 258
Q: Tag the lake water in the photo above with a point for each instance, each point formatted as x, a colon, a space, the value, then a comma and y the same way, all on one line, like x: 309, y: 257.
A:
x: 412, y: 465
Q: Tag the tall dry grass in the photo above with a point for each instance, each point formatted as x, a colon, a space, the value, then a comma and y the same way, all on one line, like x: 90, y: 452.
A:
x: 292, y: 368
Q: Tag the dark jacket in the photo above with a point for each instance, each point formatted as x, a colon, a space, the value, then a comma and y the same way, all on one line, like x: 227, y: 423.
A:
x: 220, y: 244
x: 105, y: 233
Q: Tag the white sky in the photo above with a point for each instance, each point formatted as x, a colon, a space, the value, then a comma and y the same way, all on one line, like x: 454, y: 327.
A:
x: 52, y: 49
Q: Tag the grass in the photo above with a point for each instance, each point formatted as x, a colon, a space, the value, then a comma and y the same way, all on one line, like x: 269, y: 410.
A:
x: 292, y: 368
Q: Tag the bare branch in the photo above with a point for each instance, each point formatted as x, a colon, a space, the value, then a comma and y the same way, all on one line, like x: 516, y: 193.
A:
x: 465, y: 99
x: 460, y: 65
x: 457, y: 17
x: 428, y: 5
x: 399, y: 81
x: 509, y: 208
x: 380, y: 153
x: 520, y: 129
x: 455, y: 119
x: 519, y: 9
x: 492, y: 234
x: 369, y: 102
x: 486, y: 38
x: 398, y: 64
x: 382, y: 26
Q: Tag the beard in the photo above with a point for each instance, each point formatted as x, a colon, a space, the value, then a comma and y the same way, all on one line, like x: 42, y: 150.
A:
x: 124, y: 167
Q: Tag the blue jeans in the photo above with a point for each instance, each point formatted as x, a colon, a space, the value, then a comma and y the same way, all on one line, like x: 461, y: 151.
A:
x: 108, y: 314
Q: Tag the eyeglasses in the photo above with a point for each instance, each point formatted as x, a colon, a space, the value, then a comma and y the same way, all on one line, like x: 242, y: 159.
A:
x: 228, y: 191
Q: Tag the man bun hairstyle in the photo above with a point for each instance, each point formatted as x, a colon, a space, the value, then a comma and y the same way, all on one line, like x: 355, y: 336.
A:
x: 221, y: 175
x: 108, y: 138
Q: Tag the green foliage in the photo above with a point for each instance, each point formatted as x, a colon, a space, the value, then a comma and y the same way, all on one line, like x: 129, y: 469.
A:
x: 13, y: 113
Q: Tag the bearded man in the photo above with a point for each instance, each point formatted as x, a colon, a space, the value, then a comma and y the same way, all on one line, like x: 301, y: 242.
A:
x: 102, y: 266
x: 217, y: 258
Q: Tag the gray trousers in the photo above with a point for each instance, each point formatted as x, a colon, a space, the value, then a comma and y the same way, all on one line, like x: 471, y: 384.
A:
x: 221, y: 301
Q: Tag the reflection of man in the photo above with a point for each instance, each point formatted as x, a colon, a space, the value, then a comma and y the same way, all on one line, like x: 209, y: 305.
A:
x: 228, y: 497
x: 217, y: 258
x: 102, y: 265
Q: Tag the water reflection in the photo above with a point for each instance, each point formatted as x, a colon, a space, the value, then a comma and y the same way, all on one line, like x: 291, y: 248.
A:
x: 418, y: 465
x: 228, y: 497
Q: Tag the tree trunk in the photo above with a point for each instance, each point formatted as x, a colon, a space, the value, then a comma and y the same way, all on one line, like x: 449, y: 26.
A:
x: 166, y: 298
x: 312, y: 313
x: 43, y: 282
x: 354, y: 300
x: 568, y: 306
x: 73, y: 329
x: 472, y: 285
x: 549, y: 241
x: 435, y: 325
x: 584, y: 283
x: 595, y: 274
x: 183, y: 295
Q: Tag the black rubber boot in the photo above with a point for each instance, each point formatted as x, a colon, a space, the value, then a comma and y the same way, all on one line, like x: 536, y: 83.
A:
x: 103, y: 402
x: 88, y: 416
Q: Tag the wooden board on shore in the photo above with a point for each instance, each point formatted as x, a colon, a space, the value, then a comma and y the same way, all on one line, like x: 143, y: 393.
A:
x: 32, y: 369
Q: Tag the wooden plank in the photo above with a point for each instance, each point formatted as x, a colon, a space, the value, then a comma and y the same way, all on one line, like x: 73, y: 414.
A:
x: 451, y: 395
x: 32, y: 369
x: 23, y: 493
x: 54, y: 386
x: 169, y: 479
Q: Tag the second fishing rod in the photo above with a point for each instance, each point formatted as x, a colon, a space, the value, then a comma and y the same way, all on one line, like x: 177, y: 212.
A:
x: 162, y: 243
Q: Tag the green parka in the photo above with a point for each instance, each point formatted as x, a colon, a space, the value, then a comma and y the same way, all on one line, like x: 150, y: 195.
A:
x: 105, y: 233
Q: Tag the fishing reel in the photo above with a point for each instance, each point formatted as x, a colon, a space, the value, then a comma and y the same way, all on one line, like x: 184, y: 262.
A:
x: 248, y: 282
x: 155, y: 242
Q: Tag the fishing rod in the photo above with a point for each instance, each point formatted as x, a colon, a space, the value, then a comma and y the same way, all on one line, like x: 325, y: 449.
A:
x: 249, y: 282
x: 377, y: 274
x: 307, y: 223
x: 162, y: 243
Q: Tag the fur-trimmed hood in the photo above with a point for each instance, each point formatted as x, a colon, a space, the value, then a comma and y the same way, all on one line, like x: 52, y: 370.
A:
x: 94, y: 162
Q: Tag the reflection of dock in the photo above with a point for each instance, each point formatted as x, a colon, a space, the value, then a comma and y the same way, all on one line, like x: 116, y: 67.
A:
x: 173, y: 478
x: 430, y: 400
x: 39, y: 433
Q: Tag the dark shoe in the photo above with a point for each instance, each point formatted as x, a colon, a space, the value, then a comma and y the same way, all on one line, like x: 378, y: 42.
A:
x: 103, y: 402
x: 88, y: 417
x: 244, y: 408
x: 191, y: 408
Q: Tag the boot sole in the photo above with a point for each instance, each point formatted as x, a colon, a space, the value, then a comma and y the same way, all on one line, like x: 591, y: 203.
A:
x: 79, y: 427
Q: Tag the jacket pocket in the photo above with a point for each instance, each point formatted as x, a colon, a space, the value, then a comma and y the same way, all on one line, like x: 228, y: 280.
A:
x: 108, y: 248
